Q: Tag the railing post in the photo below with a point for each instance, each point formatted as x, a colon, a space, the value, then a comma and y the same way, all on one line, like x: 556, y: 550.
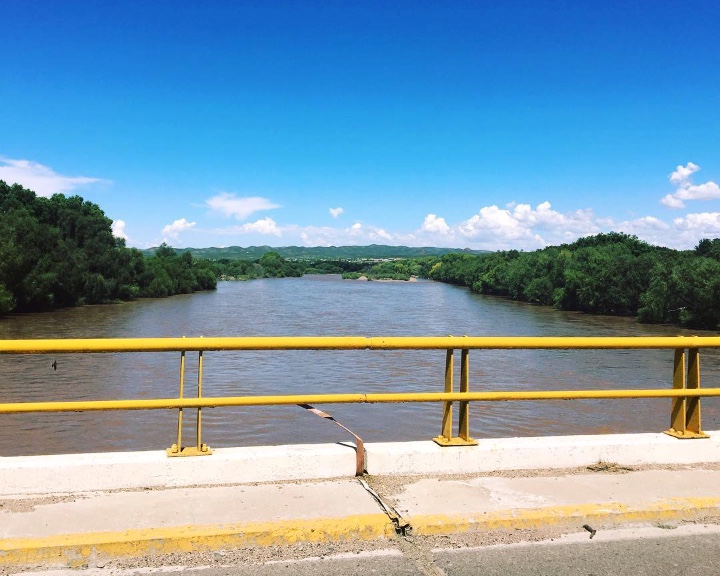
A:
x: 685, y: 412
x: 199, y: 449
x: 463, y: 438
x: 447, y: 406
x: 464, y: 411
x: 175, y: 449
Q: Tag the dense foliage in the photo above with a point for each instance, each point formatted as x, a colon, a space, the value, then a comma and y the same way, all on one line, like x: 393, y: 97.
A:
x: 395, y: 269
x: 610, y: 273
x: 273, y: 265
x: 60, y: 251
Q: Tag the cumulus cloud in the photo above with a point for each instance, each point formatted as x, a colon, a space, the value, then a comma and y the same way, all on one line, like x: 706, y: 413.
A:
x: 354, y: 235
x: 682, y: 173
x: 265, y: 226
x: 229, y: 205
x: 687, y: 190
x: 685, y: 232
x: 706, y: 223
x: 335, y: 212
x: 435, y: 225
x: 516, y: 226
x: 172, y: 231
x: 118, y: 229
x: 355, y: 230
x: 647, y: 228
x: 41, y: 179
x: 520, y: 226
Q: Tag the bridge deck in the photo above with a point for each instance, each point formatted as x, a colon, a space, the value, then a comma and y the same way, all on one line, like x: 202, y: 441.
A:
x: 78, y: 527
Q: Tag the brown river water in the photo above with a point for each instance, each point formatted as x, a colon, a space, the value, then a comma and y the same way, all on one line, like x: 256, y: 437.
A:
x: 327, y: 305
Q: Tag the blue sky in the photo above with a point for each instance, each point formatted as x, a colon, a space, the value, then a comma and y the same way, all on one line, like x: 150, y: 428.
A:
x: 489, y: 125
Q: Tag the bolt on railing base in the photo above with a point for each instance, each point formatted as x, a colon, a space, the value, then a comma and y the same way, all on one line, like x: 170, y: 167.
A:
x: 456, y: 441
x: 173, y: 451
x: 685, y: 435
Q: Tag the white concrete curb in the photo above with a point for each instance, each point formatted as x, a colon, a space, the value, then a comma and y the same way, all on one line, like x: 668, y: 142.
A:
x: 24, y: 475
x: 117, y: 470
x: 538, y: 453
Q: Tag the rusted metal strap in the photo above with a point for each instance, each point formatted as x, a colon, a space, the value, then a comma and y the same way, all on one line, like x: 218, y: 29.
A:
x: 359, y: 446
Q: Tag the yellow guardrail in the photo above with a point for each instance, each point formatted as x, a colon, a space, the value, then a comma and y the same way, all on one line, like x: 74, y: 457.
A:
x: 685, y: 421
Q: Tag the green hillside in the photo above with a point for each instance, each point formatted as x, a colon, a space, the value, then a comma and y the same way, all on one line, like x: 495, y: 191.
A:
x: 374, y: 251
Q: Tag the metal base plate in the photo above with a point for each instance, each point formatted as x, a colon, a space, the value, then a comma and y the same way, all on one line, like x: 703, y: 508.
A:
x: 173, y: 451
x: 456, y: 441
x: 687, y: 435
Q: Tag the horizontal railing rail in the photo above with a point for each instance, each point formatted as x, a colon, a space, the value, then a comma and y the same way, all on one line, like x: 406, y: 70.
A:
x: 685, y: 392
x: 61, y: 346
x: 371, y: 398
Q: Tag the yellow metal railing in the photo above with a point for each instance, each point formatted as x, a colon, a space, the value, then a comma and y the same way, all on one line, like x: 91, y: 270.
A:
x: 685, y: 421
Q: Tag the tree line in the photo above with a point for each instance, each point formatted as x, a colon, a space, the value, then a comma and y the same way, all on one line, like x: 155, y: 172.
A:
x: 613, y: 273
x: 273, y: 265
x: 60, y: 251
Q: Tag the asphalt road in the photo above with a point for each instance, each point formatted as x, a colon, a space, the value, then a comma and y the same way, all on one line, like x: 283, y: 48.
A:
x: 692, y: 554
x: 692, y: 549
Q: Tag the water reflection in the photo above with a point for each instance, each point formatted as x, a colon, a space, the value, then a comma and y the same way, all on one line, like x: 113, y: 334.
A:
x: 326, y: 305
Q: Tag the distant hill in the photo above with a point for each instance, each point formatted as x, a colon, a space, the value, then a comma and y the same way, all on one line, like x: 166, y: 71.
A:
x: 319, y: 252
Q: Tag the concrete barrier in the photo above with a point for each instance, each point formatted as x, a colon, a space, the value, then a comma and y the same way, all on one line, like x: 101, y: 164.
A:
x: 539, y: 452
x: 112, y: 471
x: 65, y: 473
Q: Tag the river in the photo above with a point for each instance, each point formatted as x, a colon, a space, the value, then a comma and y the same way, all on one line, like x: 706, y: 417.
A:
x: 327, y: 305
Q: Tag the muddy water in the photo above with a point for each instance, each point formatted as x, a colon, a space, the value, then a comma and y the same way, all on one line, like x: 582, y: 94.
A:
x: 326, y: 305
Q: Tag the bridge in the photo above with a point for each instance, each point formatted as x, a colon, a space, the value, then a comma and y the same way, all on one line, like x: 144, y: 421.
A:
x: 91, y: 509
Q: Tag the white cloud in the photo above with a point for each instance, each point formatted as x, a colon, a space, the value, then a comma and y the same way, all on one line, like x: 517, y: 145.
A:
x: 172, y: 231
x: 516, y: 226
x: 41, y: 179
x: 687, y: 190
x: 230, y: 205
x: 646, y: 223
x: 435, y: 225
x: 687, y: 231
x: 118, y: 229
x: 355, y: 235
x: 493, y: 225
x: 335, y: 212
x: 671, y: 201
x: 520, y: 226
x: 707, y: 223
x: 682, y: 173
x: 265, y: 227
x: 378, y: 234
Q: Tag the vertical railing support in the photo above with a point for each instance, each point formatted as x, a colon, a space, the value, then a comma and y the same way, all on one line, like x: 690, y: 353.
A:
x: 202, y: 449
x: 685, y: 420
x: 199, y: 449
x: 463, y: 438
x: 447, y: 406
